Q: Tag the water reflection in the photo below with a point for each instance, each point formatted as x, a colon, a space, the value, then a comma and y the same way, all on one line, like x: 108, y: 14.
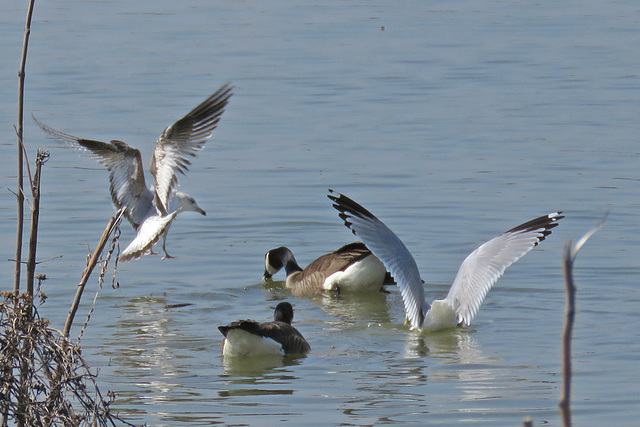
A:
x: 275, y: 290
x: 257, y: 366
x: 370, y: 307
x: 404, y: 381
x: 453, y: 345
x: 257, y: 376
x: 349, y: 307
x: 254, y: 366
x: 461, y: 361
x: 396, y: 386
x: 149, y: 347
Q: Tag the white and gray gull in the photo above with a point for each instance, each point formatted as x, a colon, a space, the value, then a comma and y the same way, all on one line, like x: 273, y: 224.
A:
x: 477, y: 274
x: 151, y: 210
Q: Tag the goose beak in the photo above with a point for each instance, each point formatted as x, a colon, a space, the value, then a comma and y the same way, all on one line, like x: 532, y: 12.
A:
x: 266, y: 276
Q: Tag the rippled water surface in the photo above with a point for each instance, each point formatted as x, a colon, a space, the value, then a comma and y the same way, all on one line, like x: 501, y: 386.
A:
x: 451, y: 121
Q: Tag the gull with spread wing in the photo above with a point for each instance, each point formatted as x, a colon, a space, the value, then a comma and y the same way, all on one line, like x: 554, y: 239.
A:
x: 477, y: 274
x: 151, y: 210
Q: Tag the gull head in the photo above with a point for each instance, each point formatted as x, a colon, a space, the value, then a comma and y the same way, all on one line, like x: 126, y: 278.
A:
x: 185, y: 202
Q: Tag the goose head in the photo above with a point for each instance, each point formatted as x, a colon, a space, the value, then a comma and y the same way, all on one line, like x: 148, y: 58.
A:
x: 276, y: 259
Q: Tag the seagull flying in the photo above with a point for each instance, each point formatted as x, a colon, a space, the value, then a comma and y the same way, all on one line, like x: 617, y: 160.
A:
x: 152, y: 210
x: 477, y: 274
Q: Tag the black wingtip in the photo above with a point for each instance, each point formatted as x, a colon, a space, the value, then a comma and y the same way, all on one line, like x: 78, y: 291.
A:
x: 348, y: 207
x: 338, y: 200
x: 544, y: 223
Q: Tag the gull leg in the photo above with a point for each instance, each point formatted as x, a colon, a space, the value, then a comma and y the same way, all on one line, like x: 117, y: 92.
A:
x: 164, y: 242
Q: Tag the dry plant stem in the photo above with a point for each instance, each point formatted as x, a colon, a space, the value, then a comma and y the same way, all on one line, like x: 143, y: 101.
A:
x: 570, y: 253
x: 20, y: 177
x: 55, y: 366
x: 113, y: 223
x: 111, y: 226
x: 31, y: 267
x: 567, y: 333
x: 23, y: 394
x: 35, y: 215
x: 19, y: 192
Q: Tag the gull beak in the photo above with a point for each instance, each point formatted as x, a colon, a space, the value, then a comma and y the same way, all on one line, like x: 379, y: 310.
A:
x: 202, y: 212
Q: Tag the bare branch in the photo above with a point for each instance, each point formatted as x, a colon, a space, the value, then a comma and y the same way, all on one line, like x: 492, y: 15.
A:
x: 20, y: 160
x: 35, y: 216
x: 24, y: 153
x: 570, y: 253
x: 113, y: 223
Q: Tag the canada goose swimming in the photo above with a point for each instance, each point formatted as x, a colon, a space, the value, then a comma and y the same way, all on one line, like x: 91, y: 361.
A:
x: 477, y: 274
x: 352, y: 268
x: 151, y: 210
x: 251, y: 338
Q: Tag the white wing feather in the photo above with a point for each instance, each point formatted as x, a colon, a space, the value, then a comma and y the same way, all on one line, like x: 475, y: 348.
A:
x: 477, y: 274
x: 390, y: 250
x: 184, y: 139
x: 484, y: 266
x: 127, y: 184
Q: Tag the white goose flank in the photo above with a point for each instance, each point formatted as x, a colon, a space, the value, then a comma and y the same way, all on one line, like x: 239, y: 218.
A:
x: 152, y: 210
x: 477, y: 274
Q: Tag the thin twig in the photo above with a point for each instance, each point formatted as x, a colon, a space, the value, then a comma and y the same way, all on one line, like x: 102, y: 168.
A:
x: 56, y: 373
x: 103, y: 271
x: 23, y: 397
x: 20, y: 420
x: 24, y: 153
x: 41, y: 158
x: 20, y: 164
x: 113, y: 223
x: 570, y: 253
x: 39, y: 262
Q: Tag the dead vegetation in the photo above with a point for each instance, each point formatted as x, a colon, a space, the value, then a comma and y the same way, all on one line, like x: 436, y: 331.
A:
x: 44, y: 381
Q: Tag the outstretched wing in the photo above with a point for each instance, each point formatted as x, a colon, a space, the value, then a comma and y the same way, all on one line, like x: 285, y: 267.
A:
x: 184, y: 139
x: 127, y: 184
x: 148, y: 234
x: 390, y: 250
x: 484, y: 266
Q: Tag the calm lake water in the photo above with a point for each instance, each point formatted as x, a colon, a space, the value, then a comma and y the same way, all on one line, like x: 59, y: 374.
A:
x: 451, y: 121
